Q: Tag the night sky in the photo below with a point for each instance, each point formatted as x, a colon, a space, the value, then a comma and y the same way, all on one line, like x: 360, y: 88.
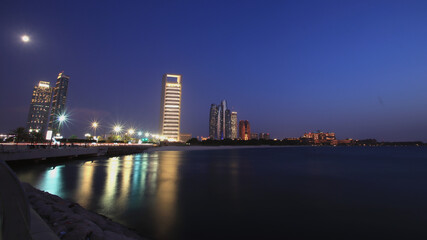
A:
x: 357, y: 68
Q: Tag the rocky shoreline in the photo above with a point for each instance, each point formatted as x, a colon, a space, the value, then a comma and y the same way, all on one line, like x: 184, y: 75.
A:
x: 70, y: 221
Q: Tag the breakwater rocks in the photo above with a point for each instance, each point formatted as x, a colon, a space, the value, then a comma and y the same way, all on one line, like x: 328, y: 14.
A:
x: 70, y: 221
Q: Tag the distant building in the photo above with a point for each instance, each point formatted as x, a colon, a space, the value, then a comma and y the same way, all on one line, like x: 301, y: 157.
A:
x: 213, y: 122
x: 39, y: 108
x: 319, y: 138
x: 233, y: 125
x: 220, y: 126
x: 244, y: 130
x: 170, y: 108
x: 58, y: 101
x: 254, y: 136
x: 184, y: 137
x: 265, y: 136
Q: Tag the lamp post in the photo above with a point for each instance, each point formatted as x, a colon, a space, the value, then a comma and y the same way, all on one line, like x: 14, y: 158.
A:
x: 94, y: 126
x: 117, y: 129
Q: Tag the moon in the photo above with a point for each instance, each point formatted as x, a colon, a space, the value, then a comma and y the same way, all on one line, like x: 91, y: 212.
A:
x: 25, y: 38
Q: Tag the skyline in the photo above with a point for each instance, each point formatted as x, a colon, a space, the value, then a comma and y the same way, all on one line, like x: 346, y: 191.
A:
x: 355, y: 68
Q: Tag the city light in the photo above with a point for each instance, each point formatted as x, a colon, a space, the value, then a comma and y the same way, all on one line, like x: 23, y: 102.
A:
x: 139, y: 133
x: 25, y: 38
x: 117, y: 129
x: 94, y: 126
x: 131, y: 131
x: 147, y: 134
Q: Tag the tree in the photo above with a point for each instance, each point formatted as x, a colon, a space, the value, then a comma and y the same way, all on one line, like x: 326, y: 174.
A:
x: 21, y: 134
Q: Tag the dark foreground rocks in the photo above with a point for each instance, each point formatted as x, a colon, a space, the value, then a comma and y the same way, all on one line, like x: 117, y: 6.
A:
x: 70, y: 221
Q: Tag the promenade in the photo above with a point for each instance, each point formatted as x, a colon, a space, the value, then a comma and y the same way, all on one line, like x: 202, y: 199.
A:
x: 27, y: 151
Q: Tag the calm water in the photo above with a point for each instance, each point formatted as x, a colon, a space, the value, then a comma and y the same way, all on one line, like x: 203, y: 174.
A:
x: 268, y: 193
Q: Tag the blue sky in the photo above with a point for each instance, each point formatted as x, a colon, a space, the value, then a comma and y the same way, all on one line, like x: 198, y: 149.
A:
x: 357, y: 68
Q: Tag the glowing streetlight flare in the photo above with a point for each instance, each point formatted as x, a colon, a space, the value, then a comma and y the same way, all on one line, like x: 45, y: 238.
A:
x: 95, y: 125
x: 117, y: 128
x: 131, y: 131
x: 25, y: 38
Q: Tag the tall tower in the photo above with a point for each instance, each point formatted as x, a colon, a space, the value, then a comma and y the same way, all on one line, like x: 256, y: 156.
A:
x: 227, y: 124
x: 170, y: 109
x: 233, y: 125
x: 244, y: 130
x: 221, y: 119
x: 39, y: 108
x: 58, y: 101
x: 213, y: 122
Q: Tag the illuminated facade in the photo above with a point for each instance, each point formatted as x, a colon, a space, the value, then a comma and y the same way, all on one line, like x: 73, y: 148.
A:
x: 233, y: 125
x: 220, y: 125
x: 319, y: 137
x: 170, y: 109
x: 244, y: 130
x: 39, y: 108
x: 58, y: 100
x: 213, y: 122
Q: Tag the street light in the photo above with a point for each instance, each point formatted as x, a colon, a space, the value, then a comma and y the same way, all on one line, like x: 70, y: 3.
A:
x: 140, y: 134
x: 131, y: 131
x: 117, y: 129
x: 94, y: 126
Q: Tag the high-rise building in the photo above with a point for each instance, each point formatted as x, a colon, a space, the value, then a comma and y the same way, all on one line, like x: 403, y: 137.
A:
x: 233, y: 125
x: 39, y: 108
x: 265, y: 136
x: 220, y: 121
x: 170, y: 109
x: 244, y: 130
x: 213, y: 122
x: 227, y: 124
x: 58, y: 101
x: 254, y: 136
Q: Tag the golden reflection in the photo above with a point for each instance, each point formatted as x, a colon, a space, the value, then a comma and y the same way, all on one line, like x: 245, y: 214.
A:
x: 110, y: 184
x: 166, y: 195
x: 127, y: 164
x: 84, y: 185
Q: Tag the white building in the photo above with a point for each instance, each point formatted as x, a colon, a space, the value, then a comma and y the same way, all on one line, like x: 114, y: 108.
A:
x: 170, y: 109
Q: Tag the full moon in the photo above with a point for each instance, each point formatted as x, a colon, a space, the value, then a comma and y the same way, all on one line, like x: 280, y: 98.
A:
x: 25, y: 38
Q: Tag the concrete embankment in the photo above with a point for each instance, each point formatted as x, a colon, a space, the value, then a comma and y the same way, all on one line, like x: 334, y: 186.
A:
x: 126, y: 149
x: 42, y: 152
x: 70, y: 221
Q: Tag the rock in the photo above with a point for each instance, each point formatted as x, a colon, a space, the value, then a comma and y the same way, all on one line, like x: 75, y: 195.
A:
x: 71, y: 221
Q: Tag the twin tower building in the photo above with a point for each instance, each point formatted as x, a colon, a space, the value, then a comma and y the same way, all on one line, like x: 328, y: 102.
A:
x: 47, y: 104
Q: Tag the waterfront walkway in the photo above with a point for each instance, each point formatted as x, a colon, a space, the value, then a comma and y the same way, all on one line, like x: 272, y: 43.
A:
x: 16, y: 152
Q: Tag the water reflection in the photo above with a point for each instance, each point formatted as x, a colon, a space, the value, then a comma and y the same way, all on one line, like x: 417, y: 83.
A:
x: 110, y: 186
x: 52, y: 180
x: 84, y: 186
x: 166, y: 197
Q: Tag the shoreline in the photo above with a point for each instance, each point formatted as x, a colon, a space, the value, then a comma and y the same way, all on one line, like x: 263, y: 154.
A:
x: 68, y: 220
x: 200, y: 148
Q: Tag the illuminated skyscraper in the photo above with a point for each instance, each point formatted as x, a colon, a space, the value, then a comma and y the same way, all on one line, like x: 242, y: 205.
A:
x: 39, y: 108
x: 58, y: 101
x: 233, y: 125
x: 244, y: 130
x: 170, y: 109
x: 221, y: 115
x: 220, y: 121
x: 213, y: 122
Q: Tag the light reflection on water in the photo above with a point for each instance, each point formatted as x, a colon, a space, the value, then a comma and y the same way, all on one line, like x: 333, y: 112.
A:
x: 250, y: 194
x: 52, y: 181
